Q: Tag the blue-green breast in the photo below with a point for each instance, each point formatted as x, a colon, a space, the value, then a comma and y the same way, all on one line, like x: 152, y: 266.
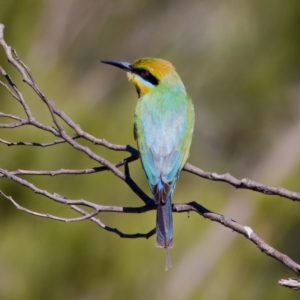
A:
x: 163, y: 124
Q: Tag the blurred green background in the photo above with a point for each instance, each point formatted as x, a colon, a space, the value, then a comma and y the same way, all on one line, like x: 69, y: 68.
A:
x: 240, y: 63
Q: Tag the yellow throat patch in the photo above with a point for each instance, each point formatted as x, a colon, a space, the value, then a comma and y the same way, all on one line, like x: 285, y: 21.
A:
x: 157, y: 67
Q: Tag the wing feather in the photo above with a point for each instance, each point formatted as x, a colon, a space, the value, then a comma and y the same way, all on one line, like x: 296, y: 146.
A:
x: 164, y: 138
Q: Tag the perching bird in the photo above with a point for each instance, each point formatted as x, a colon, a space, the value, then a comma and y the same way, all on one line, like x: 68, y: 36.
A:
x: 163, y: 127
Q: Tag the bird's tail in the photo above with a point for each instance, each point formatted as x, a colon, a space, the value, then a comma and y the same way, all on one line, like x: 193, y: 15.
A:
x: 164, y: 228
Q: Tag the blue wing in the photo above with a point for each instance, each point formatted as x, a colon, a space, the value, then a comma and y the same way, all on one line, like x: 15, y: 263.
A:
x: 163, y: 128
x: 163, y: 140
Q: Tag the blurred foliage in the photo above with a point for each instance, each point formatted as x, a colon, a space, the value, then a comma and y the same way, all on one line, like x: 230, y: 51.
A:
x: 240, y: 63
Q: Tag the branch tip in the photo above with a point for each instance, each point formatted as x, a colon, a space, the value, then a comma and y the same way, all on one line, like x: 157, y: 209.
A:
x: 292, y: 283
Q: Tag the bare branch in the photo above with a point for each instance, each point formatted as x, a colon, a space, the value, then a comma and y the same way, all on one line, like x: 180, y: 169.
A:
x: 241, y: 229
x: 14, y: 125
x: 23, y: 65
x: 115, y: 230
x: 64, y: 200
x: 9, y: 90
x: 55, y: 197
x: 66, y: 220
x: 243, y: 183
x: 28, y: 78
x: 292, y: 283
x: 17, y: 91
x: 72, y: 172
x: 193, y: 206
x: 54, y: 110
x: 11, y: 117
x: 20, y: 98
x: 36, y: 144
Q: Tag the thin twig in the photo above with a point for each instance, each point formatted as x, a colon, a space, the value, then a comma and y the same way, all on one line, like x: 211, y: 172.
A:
x: 9, y: 90
x: 35, y: 144
x: 4, y: 115
x: 115, y: 230
x: 71, y: 171
x: 49, y: 216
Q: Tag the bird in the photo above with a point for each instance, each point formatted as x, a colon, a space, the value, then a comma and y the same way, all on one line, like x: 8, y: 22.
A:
x: 163, y: 128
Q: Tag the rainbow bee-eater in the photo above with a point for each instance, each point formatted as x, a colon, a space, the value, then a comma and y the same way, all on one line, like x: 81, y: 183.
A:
x: 163, y: 127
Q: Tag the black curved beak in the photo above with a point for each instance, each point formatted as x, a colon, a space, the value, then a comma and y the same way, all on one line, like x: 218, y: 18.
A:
x: 120, y: 64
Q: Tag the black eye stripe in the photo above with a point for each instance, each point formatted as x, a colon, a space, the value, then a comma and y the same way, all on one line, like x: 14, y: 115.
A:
x: 145, y: 74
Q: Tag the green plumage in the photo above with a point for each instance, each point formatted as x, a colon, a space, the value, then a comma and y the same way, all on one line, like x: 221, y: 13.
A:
x: 163, y: 127
x: 164, y: 121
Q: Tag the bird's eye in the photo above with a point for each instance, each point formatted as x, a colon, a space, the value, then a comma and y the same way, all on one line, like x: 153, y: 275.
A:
x: 144, y: 73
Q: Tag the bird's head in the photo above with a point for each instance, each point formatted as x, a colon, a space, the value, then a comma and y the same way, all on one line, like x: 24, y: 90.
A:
x: 147, y: 73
